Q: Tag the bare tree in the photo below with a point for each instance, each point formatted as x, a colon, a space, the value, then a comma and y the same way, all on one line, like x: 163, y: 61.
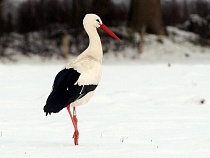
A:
x: 65, y: 45
x: 146, y: 15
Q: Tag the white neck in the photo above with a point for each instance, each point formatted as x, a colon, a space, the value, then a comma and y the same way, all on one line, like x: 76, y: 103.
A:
x: 95, y: 48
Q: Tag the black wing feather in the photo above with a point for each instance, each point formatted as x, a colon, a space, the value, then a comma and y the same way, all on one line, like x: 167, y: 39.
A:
x: 65, y: 91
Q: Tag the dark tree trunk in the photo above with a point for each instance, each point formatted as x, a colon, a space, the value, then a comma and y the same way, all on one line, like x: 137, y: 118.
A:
x: 149, y: 13
x: 146, y: 15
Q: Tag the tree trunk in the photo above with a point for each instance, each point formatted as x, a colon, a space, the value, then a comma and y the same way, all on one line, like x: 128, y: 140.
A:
x: 65, y: 45
x: 146, y: 15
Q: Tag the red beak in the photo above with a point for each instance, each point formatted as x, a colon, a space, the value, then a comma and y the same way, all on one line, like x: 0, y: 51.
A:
x: 108, y: 31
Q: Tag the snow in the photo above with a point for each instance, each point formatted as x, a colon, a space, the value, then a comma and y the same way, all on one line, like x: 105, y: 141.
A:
x: 155, y: 106
x: 138, y: 110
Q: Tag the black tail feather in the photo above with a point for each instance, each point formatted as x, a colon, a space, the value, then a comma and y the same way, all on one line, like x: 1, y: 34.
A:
x: 63, y: 89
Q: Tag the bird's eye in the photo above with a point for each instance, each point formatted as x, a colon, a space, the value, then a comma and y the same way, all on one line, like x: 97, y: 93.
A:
x: 97, y: 20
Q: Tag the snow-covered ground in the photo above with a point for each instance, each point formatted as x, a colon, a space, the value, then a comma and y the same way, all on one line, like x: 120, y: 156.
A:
x: 138, y: 110
x: 155, y: 106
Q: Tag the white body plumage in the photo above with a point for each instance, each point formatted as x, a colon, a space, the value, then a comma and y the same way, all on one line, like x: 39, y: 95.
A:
x: 90, y: 74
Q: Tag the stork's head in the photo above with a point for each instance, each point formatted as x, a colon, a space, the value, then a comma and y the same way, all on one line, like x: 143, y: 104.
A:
x: 95, y: 21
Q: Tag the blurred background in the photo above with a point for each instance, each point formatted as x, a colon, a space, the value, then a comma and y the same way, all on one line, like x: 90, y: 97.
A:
x: 50, y: 28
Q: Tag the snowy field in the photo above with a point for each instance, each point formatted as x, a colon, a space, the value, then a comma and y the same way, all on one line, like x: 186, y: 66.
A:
x: 138, y: 110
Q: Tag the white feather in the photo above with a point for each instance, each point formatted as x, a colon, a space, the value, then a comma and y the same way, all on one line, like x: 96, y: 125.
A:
x: 89, y: 69
x: 83, y: 100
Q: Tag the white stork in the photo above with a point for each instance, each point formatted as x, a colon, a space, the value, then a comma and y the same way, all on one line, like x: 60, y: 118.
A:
x: 76, y: 83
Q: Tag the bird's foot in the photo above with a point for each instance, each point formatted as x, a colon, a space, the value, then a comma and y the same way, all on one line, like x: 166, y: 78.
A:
x: 76, y: 137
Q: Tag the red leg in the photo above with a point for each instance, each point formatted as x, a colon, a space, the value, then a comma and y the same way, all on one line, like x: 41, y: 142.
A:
x: 74, y: 121
x: 76, y: 132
